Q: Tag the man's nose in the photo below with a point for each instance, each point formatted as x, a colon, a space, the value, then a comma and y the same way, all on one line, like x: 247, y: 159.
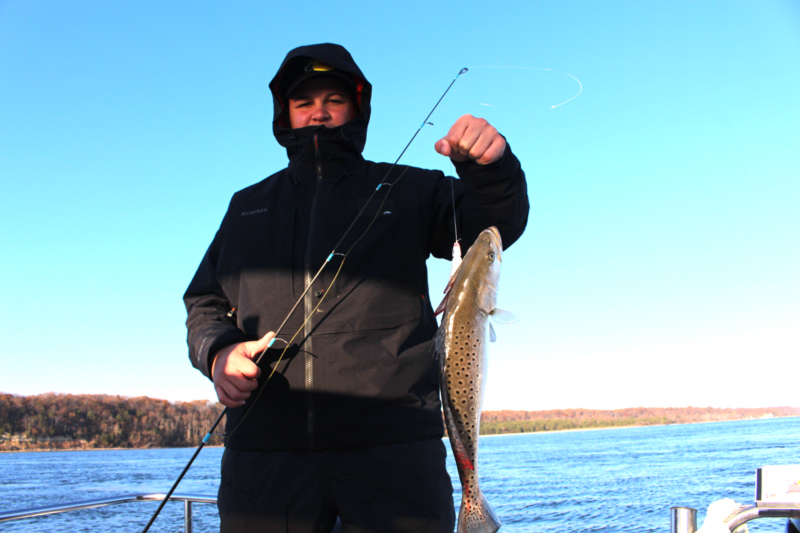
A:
x: 320, y: 113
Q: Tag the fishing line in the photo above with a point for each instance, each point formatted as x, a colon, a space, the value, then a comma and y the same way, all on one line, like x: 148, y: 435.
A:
x: 453, y: 200
x: 580, y: 85
x: 286, y: 348
x: 334, y: 253
x: 313, y: 311
x: 455, y: 258
x: 302, y: 296
x: 490, y: 105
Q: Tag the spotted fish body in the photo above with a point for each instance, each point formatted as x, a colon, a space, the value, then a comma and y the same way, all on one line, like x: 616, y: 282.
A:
x: 461, y: 349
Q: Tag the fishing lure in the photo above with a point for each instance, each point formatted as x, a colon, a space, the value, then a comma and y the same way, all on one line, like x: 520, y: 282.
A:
x: 456, y: 260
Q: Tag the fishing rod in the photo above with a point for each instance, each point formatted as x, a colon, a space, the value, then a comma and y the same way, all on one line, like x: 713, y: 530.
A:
x: 303, y: 295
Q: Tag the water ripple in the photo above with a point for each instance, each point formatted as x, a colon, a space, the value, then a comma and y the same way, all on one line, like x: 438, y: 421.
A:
x: 615, y: 481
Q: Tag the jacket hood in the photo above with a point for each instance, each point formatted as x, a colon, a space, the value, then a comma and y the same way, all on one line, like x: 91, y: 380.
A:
x: 353, y: 132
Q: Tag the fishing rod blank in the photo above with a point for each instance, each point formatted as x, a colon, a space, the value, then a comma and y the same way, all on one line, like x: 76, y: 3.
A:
x: 294, y: 307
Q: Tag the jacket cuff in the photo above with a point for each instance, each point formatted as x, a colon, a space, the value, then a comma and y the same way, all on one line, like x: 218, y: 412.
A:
x: 210, y: 345
x: 476, y: 174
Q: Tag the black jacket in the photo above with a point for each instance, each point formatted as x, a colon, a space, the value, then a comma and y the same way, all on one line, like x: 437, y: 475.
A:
x: 360, y: 371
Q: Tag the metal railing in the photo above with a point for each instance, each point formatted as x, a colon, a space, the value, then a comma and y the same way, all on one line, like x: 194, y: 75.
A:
x: 684, y: 519
x: 187, y: 499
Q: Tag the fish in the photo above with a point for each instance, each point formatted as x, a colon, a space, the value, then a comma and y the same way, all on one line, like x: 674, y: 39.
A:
x: 460, y: 347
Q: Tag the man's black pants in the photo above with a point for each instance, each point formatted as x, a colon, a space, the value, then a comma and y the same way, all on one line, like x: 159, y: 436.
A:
x: 395, y: 487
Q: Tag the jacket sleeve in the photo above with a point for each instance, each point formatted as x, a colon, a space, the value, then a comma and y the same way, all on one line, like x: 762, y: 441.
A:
x: 485, y: 195
x: 210, y: 328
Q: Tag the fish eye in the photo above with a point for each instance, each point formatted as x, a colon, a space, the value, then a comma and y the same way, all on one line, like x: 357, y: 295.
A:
x: 491, y: 256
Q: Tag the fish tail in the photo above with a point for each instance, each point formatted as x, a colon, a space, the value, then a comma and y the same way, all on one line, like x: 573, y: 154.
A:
x: 476, y: 515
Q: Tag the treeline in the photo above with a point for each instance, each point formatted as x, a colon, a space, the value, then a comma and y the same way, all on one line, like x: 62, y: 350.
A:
x: 498, y: 422
x: 67, y: 421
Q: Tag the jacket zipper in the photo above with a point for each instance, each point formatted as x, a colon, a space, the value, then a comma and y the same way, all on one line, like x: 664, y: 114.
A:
x: 309, y: 302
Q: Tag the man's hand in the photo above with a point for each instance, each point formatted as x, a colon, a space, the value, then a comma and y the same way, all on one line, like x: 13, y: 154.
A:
x: 472, y: 138
x: 235, y: 374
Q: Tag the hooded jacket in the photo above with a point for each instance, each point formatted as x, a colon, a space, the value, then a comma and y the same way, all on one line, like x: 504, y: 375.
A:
x: 359, y: 369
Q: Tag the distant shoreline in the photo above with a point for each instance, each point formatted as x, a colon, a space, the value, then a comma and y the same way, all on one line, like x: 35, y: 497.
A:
x: 572, y: 430
x: 66, y: 422
x: 633, y: 426
x: 443, y: 438
x: 107, y: 449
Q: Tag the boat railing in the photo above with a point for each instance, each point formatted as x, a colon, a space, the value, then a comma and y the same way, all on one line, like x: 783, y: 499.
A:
x: 777, y: 495
x: 187, y: 499
x: 684, y: 519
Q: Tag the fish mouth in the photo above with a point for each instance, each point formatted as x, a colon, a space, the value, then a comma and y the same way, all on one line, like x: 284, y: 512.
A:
x: 497, y: 240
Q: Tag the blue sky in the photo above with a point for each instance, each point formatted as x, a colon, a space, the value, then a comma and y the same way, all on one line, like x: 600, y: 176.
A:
x: 660, y: 264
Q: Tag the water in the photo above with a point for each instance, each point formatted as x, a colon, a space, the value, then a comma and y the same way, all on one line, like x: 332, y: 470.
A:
x: 615, y: 480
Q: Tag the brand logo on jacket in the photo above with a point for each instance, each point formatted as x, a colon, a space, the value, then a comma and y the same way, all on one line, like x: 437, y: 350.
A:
x: 254, y: 212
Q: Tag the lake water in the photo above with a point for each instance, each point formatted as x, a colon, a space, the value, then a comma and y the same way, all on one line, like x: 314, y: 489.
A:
x: 615, y: 480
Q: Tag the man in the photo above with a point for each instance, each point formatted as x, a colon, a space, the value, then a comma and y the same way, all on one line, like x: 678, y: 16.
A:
x: 347, y: 422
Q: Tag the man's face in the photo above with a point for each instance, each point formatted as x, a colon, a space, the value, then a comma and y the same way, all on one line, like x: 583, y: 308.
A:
x: 320, y: 101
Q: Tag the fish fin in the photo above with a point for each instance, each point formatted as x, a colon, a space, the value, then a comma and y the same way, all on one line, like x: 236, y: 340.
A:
x: 492, y: 334
x: 477, y: 516
x: 443, y: 305
x: 454, y: 270
x: 503, y: 317
x: 455, y: 267
x: 449, y: 285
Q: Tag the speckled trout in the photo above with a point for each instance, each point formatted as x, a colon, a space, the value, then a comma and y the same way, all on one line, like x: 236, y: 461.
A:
x: 461, y: 350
